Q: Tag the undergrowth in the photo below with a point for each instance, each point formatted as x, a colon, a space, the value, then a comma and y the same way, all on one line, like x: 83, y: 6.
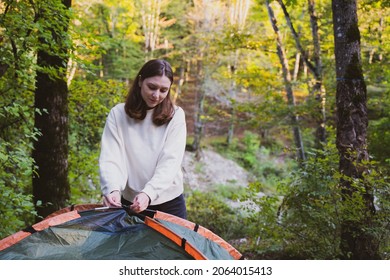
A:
x: 302, y: 213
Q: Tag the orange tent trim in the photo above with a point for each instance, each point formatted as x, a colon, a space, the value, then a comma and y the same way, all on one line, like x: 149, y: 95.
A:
x: 201, y: 230
x: 44, y: 224
x: 188, y: 247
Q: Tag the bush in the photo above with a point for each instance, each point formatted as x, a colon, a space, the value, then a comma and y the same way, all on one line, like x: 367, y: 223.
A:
x: 303, y: 219
x: 16, y: 211
x: 209, y: 210
x: 16, y: 207
x: 89, y: 105
x: 259, y: 161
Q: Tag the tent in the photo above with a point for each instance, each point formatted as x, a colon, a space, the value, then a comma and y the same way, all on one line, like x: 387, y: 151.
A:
x: 92, y: 232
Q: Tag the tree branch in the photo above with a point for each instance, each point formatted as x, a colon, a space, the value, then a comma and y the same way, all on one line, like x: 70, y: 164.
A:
x: 298, y: 44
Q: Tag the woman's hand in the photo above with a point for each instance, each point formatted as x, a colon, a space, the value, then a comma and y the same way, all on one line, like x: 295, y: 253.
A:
x: 113, y: 199
x: 140, y: 202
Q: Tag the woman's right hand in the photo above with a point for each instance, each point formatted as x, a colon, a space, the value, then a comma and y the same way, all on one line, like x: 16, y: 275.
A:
x: 113, y: 199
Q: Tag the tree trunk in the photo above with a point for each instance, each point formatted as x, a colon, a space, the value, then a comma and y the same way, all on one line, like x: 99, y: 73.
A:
x: 50, y: 183
x: 180, y: 81
x: 296, y: 66
x: 150, y: 12
x: 238, y: 12
x: 288, y: 86
x: 351, y: 139
x: 232, y: 96
x: 318, y: 90
x: 199, y: 125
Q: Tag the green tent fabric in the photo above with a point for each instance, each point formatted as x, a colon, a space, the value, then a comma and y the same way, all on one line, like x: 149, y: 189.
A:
x: 113, y: 234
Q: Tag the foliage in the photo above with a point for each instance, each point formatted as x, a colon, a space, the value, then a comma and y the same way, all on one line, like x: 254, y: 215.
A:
x: 251, y: 144
x: 90, y: 102
x: 380, y: 137
x: 374, y: 27
x: 16, y: 167
x: 105, y: 35
x: 378, y: 130
x: 16, y: 206
x: 229, y: 191
x: 301, y: 214
x: 266, y: 165
x: 303, y: 219
x: 18, y: 38
x: 16, y: 210
x: 242, y: 150
x: 212, y: 212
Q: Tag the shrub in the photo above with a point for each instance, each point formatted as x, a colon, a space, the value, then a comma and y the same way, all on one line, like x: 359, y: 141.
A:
x: 303, y: 219
x: 211, y: 211
x: 16, y: 211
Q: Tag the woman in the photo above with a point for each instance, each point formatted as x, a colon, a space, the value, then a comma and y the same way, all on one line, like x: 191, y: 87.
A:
x: 143, y: 145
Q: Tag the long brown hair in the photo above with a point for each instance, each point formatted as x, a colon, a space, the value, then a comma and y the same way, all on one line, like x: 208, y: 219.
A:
x: 136, y: 107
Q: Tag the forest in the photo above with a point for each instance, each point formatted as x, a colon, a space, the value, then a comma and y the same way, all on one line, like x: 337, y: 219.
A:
x: 296, y: 92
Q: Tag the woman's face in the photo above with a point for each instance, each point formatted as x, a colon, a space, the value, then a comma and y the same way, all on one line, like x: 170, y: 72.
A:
x: 154, y: 90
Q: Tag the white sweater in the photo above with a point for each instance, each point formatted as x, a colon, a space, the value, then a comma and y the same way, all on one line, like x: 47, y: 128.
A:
x: 138, y: 156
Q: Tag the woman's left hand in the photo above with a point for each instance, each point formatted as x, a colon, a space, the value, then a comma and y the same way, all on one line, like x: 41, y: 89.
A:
x: 140, y: 202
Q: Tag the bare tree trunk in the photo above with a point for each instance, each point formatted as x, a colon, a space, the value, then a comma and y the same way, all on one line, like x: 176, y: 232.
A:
x: 288, y: 86
x: 381, y: 28
x: 298, y: 44
x: 318, y: 89
x: 232, y: 96
x: 351, y: 97
x: 206, y: 17
x: 199, y: 125
x: 180, y: 81
x: 107, y: 56
x: 150, y: 12
x: 50, y: 183
x: 296, y: 66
